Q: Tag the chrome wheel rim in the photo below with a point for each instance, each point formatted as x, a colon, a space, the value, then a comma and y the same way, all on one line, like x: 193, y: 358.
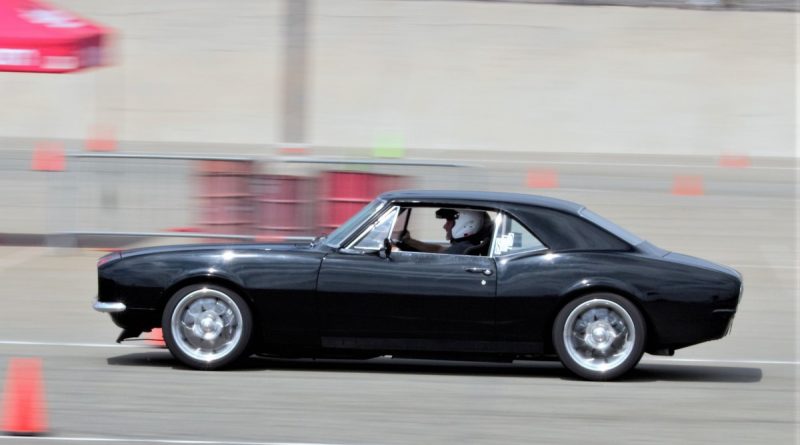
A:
x: 206, y: 325
x: 599, y: 335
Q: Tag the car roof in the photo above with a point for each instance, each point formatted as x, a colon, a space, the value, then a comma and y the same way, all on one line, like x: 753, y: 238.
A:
x: 478, y: 197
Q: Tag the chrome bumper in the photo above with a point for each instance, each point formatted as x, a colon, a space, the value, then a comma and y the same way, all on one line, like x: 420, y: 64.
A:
x: 102, y: 306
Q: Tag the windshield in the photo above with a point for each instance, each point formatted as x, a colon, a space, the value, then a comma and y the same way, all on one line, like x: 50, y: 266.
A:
x: 615, y: 230
x: 338, y: 236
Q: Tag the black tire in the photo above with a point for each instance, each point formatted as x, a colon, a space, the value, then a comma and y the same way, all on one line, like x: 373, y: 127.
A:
x: 215, y: 333
x: 606, y: 336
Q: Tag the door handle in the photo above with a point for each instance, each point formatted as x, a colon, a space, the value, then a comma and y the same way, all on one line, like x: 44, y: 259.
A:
x: 486, y: 272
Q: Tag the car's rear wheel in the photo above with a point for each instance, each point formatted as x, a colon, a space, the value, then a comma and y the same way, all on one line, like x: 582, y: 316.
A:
x: 207, y: 326
x: 599, y: 336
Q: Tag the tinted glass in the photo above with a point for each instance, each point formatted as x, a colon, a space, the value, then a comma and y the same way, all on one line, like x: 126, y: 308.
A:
x: 564, y: 231
x: 628, y: 237
x: 337, y: 236
x: 378, y: 232
x: 514, y: 237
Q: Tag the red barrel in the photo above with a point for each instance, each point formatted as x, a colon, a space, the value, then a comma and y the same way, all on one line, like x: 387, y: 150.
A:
x: 284, y: 206
x: 345, y: 193
x: 226, y: 205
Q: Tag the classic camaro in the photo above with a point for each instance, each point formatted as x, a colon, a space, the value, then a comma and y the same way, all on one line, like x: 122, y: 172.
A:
x: 429, y: 274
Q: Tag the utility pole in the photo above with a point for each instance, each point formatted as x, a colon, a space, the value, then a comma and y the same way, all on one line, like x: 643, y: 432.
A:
x: 295, y: 72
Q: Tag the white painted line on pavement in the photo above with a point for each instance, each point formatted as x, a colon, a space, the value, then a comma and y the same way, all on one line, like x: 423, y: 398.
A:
x: 762, y: 266
x: 738, y: 362
x: 645, y: 359
x: 644, y: 164
x: 74, y: 345
x: 131, y: 440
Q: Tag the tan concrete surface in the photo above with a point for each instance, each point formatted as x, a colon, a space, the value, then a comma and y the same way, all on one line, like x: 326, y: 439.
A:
x: 741, y: 389
x: 428, y: 74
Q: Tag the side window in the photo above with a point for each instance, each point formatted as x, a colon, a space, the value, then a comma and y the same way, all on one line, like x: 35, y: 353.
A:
x: 446, y: 230
x: 401, y: 224
x: 423, y: 225
x: 514, y: 237
x: 373, y: 236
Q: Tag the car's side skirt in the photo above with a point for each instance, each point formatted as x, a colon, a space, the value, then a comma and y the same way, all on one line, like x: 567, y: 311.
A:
x: 416, y: 344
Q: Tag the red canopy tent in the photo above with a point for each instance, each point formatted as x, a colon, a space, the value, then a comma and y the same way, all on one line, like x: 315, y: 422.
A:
x: 36, y: 37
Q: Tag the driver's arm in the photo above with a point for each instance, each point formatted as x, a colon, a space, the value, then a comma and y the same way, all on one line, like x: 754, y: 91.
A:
x: 420, y: 245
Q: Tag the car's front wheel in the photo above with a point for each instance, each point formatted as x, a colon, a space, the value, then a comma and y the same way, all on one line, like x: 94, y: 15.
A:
x: 599, y: 336
x: 207, y: 326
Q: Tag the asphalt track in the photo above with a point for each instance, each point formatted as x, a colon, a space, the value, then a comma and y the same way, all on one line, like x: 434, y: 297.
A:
x: 741, y: 389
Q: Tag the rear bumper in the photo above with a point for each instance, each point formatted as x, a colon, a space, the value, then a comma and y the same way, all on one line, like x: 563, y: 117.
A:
x: 689, y: 328
x: 724, y: 316
x: 108, y: 307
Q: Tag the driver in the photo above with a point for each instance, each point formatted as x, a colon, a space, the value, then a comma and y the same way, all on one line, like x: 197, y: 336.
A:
x: 465, y: 229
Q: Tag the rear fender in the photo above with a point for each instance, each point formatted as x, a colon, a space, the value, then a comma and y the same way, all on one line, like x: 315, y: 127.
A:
x: 609, y: 285
x: 598, y: 284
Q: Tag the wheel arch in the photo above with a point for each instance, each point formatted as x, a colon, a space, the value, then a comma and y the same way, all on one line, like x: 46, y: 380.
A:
x: 586, y: 287
x: 205, y: 278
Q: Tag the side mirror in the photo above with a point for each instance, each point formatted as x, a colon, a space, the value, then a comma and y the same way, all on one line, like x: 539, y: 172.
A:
x: 386, y: 250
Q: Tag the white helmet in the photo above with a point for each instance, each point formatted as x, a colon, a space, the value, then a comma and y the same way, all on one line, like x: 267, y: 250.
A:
x: 467, y: 223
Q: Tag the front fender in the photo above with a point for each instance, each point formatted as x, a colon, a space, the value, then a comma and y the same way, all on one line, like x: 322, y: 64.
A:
x: 197, y: 276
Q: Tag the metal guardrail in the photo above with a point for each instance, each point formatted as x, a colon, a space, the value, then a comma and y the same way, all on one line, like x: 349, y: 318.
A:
x: 158, y: 157
x: 744, y: 5
x: 376, y: 162
x: 123, y: 195
x: 136, y: 196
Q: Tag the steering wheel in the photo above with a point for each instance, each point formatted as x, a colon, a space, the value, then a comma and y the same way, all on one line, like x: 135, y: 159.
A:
x: 401, y: 245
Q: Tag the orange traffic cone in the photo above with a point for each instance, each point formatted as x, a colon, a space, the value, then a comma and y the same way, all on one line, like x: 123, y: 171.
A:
x: 23, y: 398
x: 101, y: 139
x: 48, y: 157
x: 734, y: 161
x: 542, y: 179
x: 155, y: 338
x: 691, y: 185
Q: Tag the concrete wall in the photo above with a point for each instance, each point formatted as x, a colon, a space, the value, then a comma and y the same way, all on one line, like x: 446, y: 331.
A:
x: 446, y: 75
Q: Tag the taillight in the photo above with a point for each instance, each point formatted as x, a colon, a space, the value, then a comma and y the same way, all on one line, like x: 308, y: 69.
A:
x: 105, y: 259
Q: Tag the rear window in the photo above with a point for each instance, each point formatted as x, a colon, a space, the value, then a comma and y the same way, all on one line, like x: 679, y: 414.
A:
x: 614, y: 229
x: 567, y: 231
x: 514, y: 237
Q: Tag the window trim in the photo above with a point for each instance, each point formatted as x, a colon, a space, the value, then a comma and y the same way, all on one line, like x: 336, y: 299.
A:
x: 392, y: 205
x: 349, y: 236
x: 371, y: 226
x: 498, y: 223
x: 525, y: 251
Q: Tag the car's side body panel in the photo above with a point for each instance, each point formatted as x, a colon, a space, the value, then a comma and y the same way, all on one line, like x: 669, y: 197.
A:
x: 409, y: 301
x: 279, y: 280
x: 679, y: 301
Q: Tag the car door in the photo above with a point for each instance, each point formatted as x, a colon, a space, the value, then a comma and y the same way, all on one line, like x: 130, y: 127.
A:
x: 527, y: 290
x: 405, y: 300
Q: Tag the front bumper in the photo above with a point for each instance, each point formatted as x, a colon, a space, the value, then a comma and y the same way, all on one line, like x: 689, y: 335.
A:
x: 108, y: 307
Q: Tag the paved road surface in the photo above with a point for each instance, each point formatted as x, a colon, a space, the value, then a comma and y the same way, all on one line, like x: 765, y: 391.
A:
x: 741, y: 389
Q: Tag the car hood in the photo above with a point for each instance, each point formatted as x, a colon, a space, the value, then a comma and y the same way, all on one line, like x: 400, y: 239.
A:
x: 214, y: 248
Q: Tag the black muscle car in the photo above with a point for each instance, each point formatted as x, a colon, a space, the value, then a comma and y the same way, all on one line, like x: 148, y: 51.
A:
x: 533, y: 278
